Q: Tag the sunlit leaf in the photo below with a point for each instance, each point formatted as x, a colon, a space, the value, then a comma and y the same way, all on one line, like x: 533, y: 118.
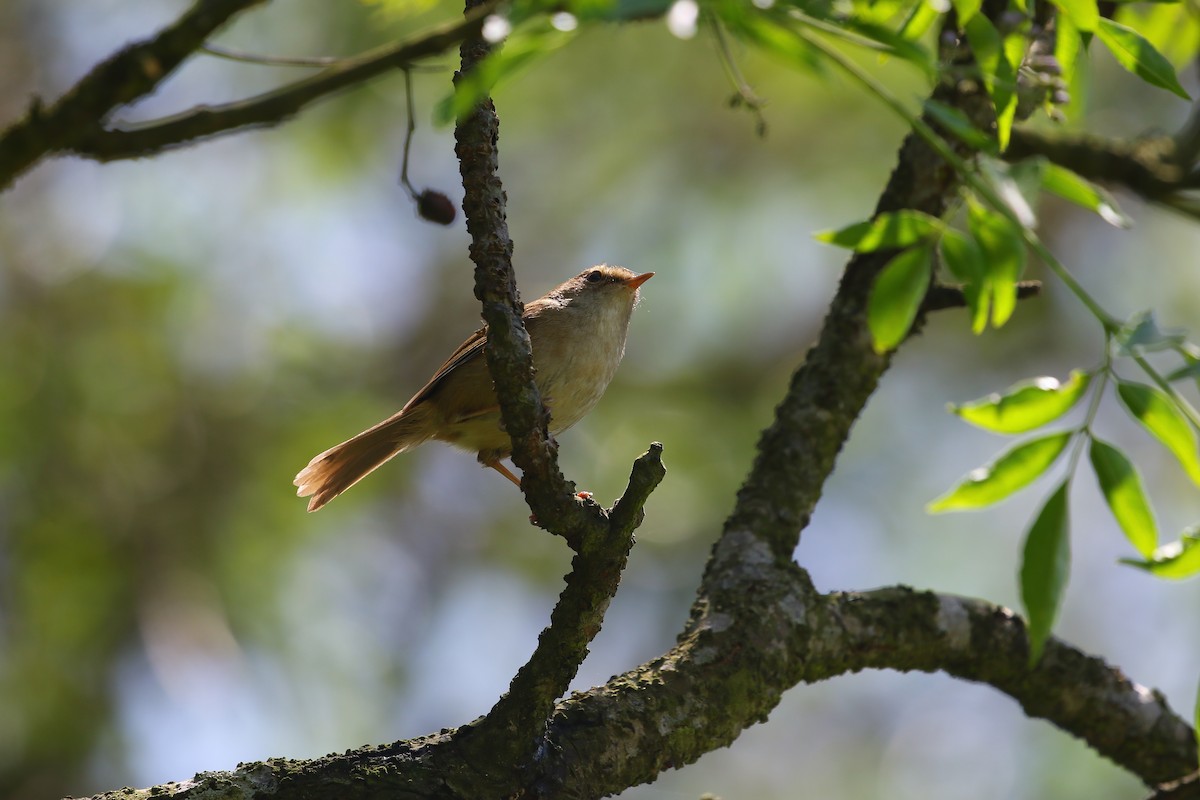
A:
x: 1045, y: 564
x: 1004, y: 256
x: 1169, y: 25
x: 1125, y: 495
x: 1162, y: 418
x: 1015, y: 469
x: 998, y: 72
x: 1068, y: 47
x: 777, y: 40
x: 1026, y: 405
x: 1176, y: 560
x: 1083, y: 13
x: 1136, y: 54
x: 621, y: 10
x: 964, y: 259
x: 1142, y: 334
x: 1017, y: 185
x: 923, y: 15
x: 520, y: 49
x: 1082, y: 192
x: 887, y: 231
x: 966, y: 9
x: 897, y: 295
x: 895, y: 44
x: 878, y: 12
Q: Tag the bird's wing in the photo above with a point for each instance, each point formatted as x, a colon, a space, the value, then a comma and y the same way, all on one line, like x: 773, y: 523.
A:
x: 469, y: 350
x: 465, y: 356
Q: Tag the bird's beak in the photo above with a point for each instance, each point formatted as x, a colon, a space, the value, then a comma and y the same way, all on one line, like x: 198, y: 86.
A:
x: 638, y: 280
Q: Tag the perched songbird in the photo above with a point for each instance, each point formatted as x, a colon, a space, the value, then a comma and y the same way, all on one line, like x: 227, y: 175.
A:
x: 577, y: 333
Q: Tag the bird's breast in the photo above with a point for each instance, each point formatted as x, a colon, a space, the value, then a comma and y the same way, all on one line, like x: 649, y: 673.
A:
x: 575, y: 367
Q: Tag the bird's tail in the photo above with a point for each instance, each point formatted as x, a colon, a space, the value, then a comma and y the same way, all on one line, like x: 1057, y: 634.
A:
x: 340, y: 467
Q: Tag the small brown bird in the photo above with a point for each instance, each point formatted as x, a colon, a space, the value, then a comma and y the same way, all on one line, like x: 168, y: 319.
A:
x: 577, y: 334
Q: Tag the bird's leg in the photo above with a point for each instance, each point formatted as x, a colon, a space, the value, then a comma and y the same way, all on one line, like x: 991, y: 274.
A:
x: 503, y: 470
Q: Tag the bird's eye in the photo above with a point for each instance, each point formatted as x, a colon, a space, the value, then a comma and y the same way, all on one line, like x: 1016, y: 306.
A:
x: 595, y: 276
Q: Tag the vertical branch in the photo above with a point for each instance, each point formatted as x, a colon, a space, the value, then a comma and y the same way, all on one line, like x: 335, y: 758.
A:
x: 504, y: 748
x: 509, y: 356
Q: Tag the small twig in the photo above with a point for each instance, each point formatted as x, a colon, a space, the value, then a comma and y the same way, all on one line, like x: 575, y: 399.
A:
x: 942, y: 297
x: 744, y: 94
x: 271, y: 61
x: 1186, y: 788
x: 295, y: 61
x: 432, y: 205
x: 408, y: 134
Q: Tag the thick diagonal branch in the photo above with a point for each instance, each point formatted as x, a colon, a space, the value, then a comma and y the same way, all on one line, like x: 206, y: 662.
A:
x: 1147, y: 165
x: 728, y: 673
x: 512, y: 737
x: 899, y: 628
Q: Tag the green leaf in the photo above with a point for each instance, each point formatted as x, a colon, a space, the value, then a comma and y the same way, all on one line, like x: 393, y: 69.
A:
x: 964, y: 259
x: 998, y: 72
x: 894, y: 44
x: 966, y: 9
x: 1083, y: 13
x: 521, y: 48
x: 1026, y: 405
x: 1189, y: 371
x: 778, y: 40
x: 1141, y: 334
x: 923, y: 15
x: 887, y: 231
x: 1068, y: 45
x: 1138, y: 56
x: 1082, y: 192
x: 1013, y: 470
x: 1003, y: 253
x: 955, y: 122
x: 1045, y: 565
x: 897, y: 295
x: 1159, y: 415
x: 621, y: 10
x: 1176, y: 560
x: 1170, y: 26
x: 1125, y: 495
x: 1016, y: 184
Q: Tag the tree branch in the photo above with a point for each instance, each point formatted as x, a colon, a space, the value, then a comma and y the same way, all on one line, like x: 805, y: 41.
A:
x: 551, y: 497
x: 506, y: 747
x: 827, y: 394
x: 898, y: 628
x: 758, y: 626
x: 729, y: 673
x: 518, y: 722
x: 942, y: 297
x: 273, y: 107
x: 1145, y: 165
x: 129, y: 74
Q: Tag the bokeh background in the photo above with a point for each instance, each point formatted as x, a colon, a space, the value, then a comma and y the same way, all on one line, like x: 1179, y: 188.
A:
x: 179, y: 335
